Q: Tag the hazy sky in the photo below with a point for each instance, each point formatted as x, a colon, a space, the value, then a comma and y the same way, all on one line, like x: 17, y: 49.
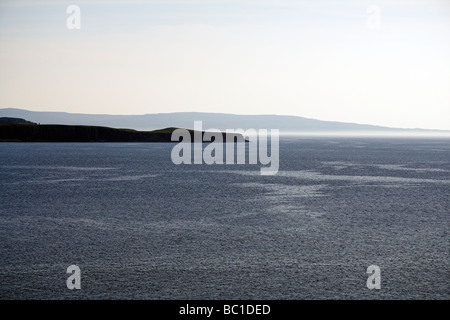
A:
x: 381, y: 62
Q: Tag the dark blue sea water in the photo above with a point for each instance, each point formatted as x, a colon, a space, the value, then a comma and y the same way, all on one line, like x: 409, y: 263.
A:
x: 140, y: 227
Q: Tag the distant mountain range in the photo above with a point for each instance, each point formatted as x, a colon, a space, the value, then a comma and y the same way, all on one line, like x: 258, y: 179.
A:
x: 220, y: 121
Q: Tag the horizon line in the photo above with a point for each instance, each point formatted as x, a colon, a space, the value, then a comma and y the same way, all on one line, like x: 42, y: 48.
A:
x: 234, y: 114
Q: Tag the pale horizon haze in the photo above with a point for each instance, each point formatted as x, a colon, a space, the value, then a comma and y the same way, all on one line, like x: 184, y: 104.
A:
x: 371, y: 62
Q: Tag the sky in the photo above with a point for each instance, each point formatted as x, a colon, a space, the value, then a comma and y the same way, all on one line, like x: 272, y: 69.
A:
x: 383, y: 62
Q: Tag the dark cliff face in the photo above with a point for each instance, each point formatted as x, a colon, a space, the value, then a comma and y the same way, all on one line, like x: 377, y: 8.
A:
x: 64, y: 133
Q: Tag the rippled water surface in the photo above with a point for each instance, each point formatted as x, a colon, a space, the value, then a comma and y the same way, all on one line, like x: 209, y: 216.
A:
x: 140, y: 227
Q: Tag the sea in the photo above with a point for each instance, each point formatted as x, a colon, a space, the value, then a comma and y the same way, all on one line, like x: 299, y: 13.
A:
x: 139, y: 226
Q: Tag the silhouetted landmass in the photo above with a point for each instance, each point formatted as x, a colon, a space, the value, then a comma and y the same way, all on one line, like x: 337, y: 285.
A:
x: 12, y: 132
x: 14, y: 120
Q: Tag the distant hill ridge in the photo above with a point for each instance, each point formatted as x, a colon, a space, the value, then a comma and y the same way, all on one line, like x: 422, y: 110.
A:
x: 219, y: 121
